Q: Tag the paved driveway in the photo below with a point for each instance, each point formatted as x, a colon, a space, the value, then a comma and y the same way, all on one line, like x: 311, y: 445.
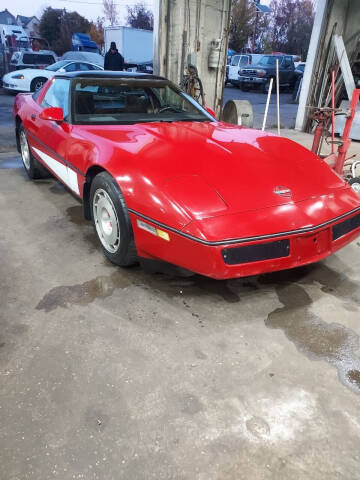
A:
x: 288, y: 109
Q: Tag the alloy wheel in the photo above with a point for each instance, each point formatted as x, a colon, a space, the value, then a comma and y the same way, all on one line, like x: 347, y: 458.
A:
x: 106, y: 221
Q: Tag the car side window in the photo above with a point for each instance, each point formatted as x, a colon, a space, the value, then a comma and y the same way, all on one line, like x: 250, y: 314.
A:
x: 287, y: 62
x: 71, y: 67
x: 58, y: 95
x: 235, y: 61
x: 85, y: 66
x: 244, y: 60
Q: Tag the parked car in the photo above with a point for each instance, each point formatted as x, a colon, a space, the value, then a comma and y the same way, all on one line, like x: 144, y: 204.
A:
x: 30, y: 59
x: 299, y: 70
x: 161, y: 179
x: 89, y: 57
x: 146, y: 67
x: 266, y: 69
x: 238, y: 61
x: 30, y: 80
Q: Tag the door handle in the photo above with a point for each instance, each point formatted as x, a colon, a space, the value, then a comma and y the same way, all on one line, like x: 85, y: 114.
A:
x: 33, y: 116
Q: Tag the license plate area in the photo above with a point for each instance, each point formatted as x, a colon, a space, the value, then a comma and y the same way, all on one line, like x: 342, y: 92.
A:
x: 312, y: 245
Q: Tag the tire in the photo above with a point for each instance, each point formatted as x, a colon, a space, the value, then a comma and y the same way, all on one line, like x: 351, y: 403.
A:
x: 355, y: 184
x: 32, y: 167
x: 111, y: 221
x: 244, y: 87
x: 266, y: 86
x: 37, y: 83
x: 295, y: 90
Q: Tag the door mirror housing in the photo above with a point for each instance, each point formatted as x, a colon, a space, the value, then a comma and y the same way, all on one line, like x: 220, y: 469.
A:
x: 210, y: 111
x: 55, y: 114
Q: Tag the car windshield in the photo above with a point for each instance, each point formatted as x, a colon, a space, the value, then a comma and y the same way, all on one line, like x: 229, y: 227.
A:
x: 269, y: 60
x: 56, y: 66
x: 104, y: 101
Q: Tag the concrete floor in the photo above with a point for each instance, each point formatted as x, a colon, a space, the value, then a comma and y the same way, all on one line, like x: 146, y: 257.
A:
x: 110, y: 373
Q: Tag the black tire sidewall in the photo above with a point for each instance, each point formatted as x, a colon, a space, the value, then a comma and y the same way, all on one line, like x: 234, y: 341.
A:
x: 122, y: 256
x: 266, y: 86
x: 354, y: 180
x: 33, y: 82
x: 32, y: 170
x: 36, y: 170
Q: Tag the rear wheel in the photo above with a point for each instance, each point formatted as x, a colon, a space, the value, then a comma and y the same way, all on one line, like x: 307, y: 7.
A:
x: 111, y: 221
x: 355, y: 184
x: 31, y: 165
x: 37, y: 83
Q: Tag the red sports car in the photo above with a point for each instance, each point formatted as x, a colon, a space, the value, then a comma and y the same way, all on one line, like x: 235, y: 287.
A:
x: 161, y: 179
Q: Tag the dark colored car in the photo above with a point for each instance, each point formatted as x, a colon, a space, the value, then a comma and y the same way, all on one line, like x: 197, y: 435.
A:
x: 261, y: 74
x: 299, y: 70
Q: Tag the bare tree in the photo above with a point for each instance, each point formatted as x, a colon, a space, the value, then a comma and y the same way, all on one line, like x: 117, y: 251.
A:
x: 140, y: 17
x: 110, y: 11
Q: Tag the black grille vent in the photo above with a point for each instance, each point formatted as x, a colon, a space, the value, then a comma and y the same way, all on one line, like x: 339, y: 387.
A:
x: 345, y: 227
x: 256, y: 253
x: 248, y: 72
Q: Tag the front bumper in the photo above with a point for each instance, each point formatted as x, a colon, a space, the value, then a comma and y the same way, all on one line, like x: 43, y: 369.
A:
x: 12, y: 87
x: 253, y: 80
x: 245, y: 258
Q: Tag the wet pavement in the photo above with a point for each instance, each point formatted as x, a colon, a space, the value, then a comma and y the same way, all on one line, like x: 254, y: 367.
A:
x: 110, y: 373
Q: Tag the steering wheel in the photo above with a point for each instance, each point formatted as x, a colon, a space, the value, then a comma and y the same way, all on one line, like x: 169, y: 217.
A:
x: 169, y: 107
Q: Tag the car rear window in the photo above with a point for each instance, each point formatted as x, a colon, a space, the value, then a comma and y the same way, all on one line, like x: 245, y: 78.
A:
x: 32, y: 59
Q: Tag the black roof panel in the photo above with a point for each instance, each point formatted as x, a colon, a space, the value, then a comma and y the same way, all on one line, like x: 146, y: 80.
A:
x: 108, y: 74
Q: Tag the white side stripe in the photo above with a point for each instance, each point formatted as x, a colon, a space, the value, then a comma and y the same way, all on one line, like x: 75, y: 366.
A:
x: 68, y: 176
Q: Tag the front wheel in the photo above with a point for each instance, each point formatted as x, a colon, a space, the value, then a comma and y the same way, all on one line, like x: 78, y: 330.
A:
x: 111, y: 221
x: 31, y: 165
x: 37, y: 83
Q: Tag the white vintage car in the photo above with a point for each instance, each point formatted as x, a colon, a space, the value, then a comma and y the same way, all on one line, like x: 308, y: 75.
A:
x: 31, y: 79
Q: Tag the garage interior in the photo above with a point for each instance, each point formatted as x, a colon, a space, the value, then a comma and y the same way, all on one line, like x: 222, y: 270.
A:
x: 117, y: 373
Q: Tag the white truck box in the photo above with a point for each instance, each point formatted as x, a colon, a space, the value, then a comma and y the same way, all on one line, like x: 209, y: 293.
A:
x: 134, y: 44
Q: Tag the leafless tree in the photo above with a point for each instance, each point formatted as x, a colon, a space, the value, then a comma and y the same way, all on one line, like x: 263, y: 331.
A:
x: 110, y: 11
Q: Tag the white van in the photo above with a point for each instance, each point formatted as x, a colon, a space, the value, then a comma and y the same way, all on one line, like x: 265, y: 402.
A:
x: 238, y: 61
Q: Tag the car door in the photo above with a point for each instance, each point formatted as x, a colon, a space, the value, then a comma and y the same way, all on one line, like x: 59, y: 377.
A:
x: 234, y: 67
x: 50, y: 138
x: 287, y: 70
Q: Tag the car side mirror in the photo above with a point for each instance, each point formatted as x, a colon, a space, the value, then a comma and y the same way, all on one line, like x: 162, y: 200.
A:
x: 55, y: 114
x: 61, y: 70
x: 210, y: 111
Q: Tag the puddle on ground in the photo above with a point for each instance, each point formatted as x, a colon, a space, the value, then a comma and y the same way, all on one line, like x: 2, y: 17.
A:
x: 9, y: 163
x: 331, y: 281
x: 312, y: 336
x: 76, y: 214
x: 104, y: 286
x: 84, y: 293
x: 58, y: 188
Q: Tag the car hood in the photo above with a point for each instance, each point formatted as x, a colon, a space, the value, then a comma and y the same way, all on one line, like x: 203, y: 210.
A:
x: 230, y: 168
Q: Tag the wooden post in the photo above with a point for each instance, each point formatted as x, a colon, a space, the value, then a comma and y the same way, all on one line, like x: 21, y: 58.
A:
x: 278, y: 96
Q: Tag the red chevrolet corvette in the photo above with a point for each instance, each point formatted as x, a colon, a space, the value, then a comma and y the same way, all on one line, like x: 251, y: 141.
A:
x: 161, y: 179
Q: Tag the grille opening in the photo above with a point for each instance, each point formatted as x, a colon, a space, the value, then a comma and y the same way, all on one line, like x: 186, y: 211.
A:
x: 345, y: 227
x: 256, y: 253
